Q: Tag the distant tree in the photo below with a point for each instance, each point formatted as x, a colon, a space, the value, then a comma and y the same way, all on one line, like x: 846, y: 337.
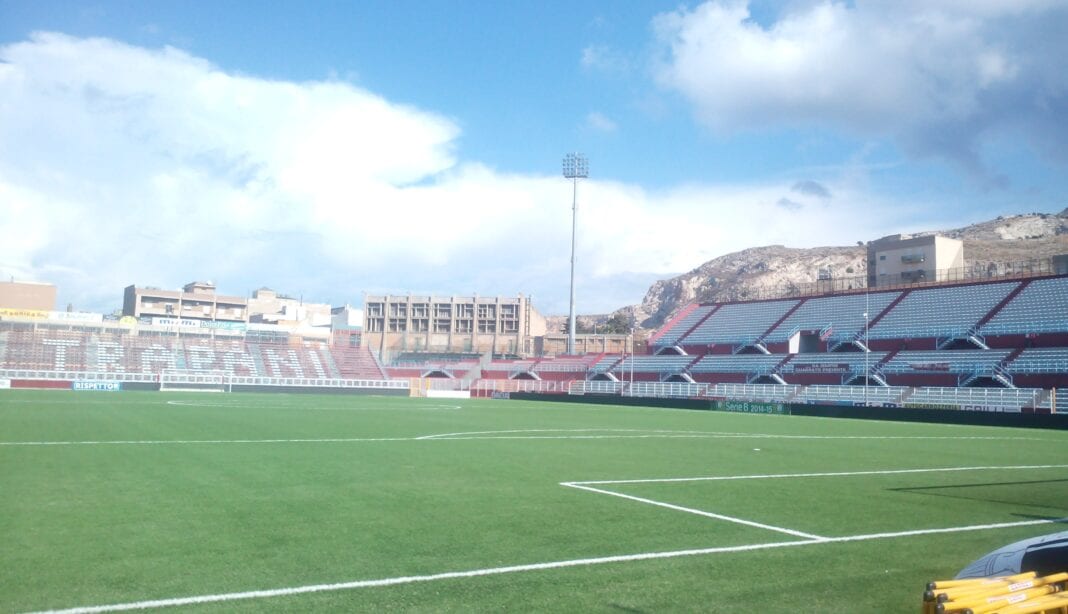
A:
x: 618, y: 324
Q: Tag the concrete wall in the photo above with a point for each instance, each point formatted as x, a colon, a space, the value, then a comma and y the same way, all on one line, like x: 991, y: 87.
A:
x: 27, y: 295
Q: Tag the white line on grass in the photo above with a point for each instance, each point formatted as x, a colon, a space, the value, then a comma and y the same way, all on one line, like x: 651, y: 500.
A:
x: 690, y: 510
x: 493, y: 571
x: 807, y: 475
x: 644, y: 432
x: 416, y: 406
x: 488, y: 435
x: 195, y: 441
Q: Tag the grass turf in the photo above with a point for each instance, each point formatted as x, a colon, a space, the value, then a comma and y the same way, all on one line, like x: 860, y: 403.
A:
x: 197, y: 494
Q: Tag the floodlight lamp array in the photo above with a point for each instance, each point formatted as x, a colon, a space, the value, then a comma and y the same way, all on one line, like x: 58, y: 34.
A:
x: 576, y: 166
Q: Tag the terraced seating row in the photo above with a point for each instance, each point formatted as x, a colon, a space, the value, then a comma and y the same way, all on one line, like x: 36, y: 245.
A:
x: 104, y: 352
x: 945, y: 361
x: 1040, y: 360
x: 843, y: 314
x: 1041, y: 307
x: 684, y: 324
x: 738, y: 322
x: 654, y: 364
x: 935, y: 312
x: 737, y: 363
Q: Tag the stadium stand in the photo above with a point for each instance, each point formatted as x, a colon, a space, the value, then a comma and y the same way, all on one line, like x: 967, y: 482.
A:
x: 940, y: 312
x: 50, y: 350
x: 841, y: 314
x: 1041, y: 307
x: 690, y: 317
x: 653, y: 368
x: 1040, y: 360
x: 738, y: 323
x: 731, y: 350
x: 737, y: 363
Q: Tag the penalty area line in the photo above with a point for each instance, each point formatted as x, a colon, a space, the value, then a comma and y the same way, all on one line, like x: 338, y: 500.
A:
x: 493, y: 571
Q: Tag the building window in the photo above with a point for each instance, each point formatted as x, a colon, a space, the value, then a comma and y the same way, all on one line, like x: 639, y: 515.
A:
x: 487, y: 326
x: 398, y: 310
x: 464, y: 326
x: 375, y: 310
x: 443, y: 311
x: 442, y: 326
x: 398, y: 325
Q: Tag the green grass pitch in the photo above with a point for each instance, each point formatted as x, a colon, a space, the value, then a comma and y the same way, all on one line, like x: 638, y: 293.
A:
x: 362, y: 503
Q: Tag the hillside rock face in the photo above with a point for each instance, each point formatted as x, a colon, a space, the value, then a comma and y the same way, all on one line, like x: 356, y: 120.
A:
x: 766, y: 271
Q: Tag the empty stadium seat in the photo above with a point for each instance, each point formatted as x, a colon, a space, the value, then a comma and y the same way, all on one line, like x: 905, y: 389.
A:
x: 936, y: 312
x: 1041, y: 307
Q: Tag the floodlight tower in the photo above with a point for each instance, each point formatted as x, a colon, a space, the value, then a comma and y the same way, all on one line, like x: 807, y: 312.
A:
x: 575, y: 167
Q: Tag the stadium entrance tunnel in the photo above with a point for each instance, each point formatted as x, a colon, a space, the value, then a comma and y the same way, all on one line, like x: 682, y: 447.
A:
x: 526, y: 375
x: 604, y: 377
x: 679, y: 377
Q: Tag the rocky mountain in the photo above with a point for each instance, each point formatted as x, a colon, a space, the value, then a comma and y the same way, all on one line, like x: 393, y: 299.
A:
x: 771, y: 270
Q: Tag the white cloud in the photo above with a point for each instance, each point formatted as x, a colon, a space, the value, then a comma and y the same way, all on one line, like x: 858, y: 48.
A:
x: 122, y: 165
x: 600, y: 122
x: 937, y: 76
x: 604, y: 59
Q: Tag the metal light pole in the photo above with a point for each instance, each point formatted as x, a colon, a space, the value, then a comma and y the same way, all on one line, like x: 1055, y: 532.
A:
x: 575, y: 167
x: 867, y: 348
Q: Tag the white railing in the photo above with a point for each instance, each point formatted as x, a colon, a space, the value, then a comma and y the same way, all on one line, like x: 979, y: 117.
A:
x: 862, y: 394
x: 490, y: 386
x: 990, y: 399
x: 200, y: 378
x: 987, y: 399
x: 96, y: 376
x: 976, y: 398
x: 754, y: 392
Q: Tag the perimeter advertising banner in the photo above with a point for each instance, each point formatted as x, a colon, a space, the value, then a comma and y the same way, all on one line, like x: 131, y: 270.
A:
x: 822, y: 368
x: 22, y: 314
x: 74, y: 316
x: 96, y: 386
x: 175, y: 322
x: 751, y: 407
x: 5, y: 384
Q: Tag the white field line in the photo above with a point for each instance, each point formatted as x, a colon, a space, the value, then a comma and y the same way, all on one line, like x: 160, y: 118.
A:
x: 808, y: 475
x: 469, y: 434
x: 417, y: 407
x: 194, y: 441
x: 691, y: 510
x: 493, y: 571
x: 517, y: 435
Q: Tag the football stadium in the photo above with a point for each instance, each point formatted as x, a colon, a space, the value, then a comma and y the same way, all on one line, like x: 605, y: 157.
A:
x: 827, y: 452
x: 301, y: 312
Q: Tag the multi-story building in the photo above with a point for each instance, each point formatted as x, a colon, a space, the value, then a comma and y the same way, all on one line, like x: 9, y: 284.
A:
x: 899, y: 259
x: 268, y: 307
x: 472, y: 324
x: 195, y: 301
x: 27, y: 295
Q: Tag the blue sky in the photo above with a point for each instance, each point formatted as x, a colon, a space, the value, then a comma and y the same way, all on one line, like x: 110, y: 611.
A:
x: 332, y: 149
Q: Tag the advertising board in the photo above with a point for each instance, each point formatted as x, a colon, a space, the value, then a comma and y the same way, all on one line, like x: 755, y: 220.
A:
x: 86, y: 386
x: 750, y: 407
